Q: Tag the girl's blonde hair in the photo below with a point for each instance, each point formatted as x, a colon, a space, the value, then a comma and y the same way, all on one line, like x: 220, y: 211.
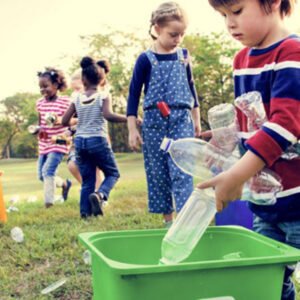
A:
x: 166, y: 12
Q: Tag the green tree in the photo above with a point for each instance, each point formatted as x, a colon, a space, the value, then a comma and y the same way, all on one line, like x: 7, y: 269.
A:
x: 19, y: 112
x: 212, y: 57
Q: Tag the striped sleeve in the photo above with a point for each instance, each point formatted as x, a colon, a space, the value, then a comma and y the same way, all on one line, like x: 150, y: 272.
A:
x: 283, y: 126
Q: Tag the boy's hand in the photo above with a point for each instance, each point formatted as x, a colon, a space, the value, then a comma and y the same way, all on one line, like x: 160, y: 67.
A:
x: 206, y: 135
x: 227, y: 188
x: 134, y: 139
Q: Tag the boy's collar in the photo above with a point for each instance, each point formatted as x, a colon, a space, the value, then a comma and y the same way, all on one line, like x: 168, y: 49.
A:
x: 254, y: 51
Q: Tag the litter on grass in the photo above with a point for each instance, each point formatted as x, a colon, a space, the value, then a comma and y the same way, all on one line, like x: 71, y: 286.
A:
x: 52, y: 287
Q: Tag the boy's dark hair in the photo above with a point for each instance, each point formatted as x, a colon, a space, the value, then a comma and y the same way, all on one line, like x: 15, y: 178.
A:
x: 286, y: 6
x: 91, y: 71
x: 104, y: 64
x: 55, y: 76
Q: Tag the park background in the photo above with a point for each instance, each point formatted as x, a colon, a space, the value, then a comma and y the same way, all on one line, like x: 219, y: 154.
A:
x: 38, y: 33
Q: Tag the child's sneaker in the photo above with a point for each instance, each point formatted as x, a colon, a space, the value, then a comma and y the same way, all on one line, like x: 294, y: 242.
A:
x: 96, y: 200
x: 48, y: 205
x: 66, y: 188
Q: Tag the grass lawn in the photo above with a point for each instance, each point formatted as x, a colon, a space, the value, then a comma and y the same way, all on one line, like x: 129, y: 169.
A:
x: 51, y: 250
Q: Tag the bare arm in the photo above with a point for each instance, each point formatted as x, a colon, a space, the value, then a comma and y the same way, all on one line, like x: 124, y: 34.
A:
x: 228, y: 185
x: 134, y: 137
x: 68, y: 115
x: 108, y: 113
x: 196, y: 120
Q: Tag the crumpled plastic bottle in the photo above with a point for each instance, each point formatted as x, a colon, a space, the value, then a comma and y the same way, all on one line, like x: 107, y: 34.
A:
x: 17, y: 234
x: 224, y: 127
x: 87, y: 257
x: 251, y: 105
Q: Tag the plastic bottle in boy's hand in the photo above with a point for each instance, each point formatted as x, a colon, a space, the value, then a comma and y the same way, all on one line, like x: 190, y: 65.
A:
x: 188, y: 227
x: 224, y: 128
x: 203, y: 160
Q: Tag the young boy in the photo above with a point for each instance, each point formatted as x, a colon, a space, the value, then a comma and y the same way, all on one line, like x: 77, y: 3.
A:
x: 269, y: 64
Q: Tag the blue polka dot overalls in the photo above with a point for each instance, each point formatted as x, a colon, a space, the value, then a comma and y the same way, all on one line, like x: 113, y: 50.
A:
x: 166, y: 182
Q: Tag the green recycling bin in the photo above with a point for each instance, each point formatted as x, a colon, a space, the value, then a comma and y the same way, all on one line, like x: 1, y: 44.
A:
x: 228, y: 261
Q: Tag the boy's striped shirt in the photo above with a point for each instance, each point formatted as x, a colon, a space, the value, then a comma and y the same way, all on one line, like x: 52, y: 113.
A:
x: 275, y: 73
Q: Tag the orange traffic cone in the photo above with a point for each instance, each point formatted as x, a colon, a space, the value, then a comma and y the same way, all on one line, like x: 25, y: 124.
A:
x: 3, y: 216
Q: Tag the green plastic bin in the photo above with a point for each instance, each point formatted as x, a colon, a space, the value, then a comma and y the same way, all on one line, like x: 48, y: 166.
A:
x: 228, y: 261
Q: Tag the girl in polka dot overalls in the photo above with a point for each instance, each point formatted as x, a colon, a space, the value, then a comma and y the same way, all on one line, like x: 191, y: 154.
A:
x: 165, y: 73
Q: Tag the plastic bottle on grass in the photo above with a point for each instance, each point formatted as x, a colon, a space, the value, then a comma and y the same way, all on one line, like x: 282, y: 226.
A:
x: 87, y: 257
x: 52, y: 287
x: 17, y: 234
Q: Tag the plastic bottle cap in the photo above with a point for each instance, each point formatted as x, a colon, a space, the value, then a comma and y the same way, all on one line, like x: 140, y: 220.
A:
x: 165, y: 144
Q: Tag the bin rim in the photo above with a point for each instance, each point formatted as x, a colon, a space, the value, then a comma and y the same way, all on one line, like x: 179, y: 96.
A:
x: 288, y: 254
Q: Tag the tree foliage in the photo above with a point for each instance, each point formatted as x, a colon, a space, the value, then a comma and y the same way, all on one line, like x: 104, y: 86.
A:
x: 211, y: 58
x: 19, y: 112
x: 212, y: 69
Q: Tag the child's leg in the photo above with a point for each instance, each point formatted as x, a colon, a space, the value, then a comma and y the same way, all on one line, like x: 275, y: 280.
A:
x: 99, y: 179
x: 87, y: 170
x: 160, y: 200
x: 182, y: 184
x: 41, y: 161
x: 48, y: 172
x: 72, y: 166
x: 285, y: 232
x: 105, y: 160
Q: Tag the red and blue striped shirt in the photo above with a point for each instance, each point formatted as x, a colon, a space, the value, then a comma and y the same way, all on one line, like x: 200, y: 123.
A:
x: 275, y: 73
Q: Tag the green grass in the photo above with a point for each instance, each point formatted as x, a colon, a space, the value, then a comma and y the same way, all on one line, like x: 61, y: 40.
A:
x: 51, y: 250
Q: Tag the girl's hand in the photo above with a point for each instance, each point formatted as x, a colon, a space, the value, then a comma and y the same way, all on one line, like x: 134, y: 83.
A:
x: 197, y: 129
x: 139, y: 121
x: 57, y: 120
x: 196, y: 121
x: 227, y: 188
x: 134, y: 139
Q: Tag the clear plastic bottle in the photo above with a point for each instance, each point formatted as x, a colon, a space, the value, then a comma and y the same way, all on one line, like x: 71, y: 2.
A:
x: 188, y: 226
x: 252, y: 106
x: 33, y: 129
x: 197, y: 157
x: 17, y: 234
x: 87, y: 257
x: 223, y: 124
x: 204, y: 160
x: 50, y: 118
